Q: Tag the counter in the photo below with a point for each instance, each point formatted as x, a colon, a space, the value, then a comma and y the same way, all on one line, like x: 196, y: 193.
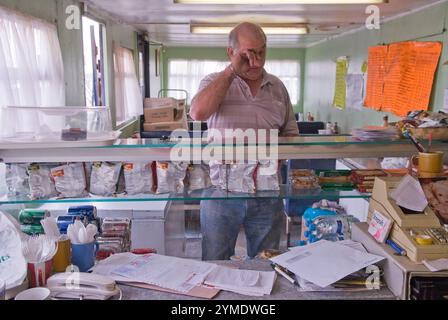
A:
x: 283, y: 290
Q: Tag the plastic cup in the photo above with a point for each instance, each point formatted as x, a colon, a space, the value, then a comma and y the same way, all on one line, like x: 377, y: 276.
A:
x: 61, y: 260
x: 38, y: 273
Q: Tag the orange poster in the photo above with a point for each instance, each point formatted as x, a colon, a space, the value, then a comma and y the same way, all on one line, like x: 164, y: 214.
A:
x: 408, y: 77
x: 410, y: 69
x: 375, y: 79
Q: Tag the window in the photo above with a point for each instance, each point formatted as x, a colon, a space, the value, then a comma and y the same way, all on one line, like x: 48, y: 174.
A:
x: 31, y: 67
x: 128, y: 97
x: 187, y: 75
x: 289, y: 72
x: 94, y: 44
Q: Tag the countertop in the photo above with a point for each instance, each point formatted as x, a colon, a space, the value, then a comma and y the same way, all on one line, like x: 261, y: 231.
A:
x: 283, y: 290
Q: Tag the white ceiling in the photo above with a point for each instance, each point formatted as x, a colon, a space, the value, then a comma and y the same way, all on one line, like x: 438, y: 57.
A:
x: 169, y: 23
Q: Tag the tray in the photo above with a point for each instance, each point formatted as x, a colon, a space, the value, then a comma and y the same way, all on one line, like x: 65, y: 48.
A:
x: 423, y: 133
x: 57, y: 143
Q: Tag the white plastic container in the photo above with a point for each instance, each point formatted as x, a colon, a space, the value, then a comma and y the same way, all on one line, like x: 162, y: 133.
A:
x: 49, y: 124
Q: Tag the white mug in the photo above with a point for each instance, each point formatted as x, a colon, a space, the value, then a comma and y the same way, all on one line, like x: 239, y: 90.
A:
x: 38, y: 293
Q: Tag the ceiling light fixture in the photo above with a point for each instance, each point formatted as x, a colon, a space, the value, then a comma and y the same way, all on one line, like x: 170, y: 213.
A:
x: 268, y: 29
x: 281, y: 1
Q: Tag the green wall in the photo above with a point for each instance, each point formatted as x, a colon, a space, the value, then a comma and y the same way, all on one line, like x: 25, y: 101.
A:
x: 71, y: 46
x: 320, y: 68
x: 201, y: 53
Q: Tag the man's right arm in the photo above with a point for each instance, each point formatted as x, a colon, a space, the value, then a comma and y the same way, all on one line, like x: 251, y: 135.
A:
x: 207, y: 101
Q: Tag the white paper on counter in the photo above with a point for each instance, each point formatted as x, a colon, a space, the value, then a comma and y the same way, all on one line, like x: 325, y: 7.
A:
x: 325, y: 262
x: 436, y: 265
x: 409, y: 194
x: 247, y: 282
x: 167, y: 272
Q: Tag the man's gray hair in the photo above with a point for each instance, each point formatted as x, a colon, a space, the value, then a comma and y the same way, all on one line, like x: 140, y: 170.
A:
x: 244, y: 27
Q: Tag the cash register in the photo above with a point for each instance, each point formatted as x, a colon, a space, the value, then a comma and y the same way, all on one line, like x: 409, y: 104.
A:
x: 419, y: 233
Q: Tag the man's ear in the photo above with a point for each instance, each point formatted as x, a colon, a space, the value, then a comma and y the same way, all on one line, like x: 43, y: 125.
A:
x: 230, y: 52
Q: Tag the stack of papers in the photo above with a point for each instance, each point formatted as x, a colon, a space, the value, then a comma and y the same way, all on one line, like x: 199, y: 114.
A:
x: 247, y: 282
x: 354, y: 282
x: 324, y: 262
x: 376, y: 133
x: 183, y: 275
x: 173, y: 273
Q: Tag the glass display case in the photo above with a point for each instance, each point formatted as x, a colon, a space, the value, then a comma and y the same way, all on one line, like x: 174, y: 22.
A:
x: 55, y: 124
x: 133, y: 150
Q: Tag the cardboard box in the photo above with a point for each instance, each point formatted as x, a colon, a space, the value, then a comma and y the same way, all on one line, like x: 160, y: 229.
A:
x: 163, y: 126
x: 398, y: 270
x: 160, y: 102
x: 160, y: 114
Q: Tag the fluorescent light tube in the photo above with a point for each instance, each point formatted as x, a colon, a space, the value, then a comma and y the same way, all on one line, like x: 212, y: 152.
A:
x: 225, y: 29
x: 275, y: 2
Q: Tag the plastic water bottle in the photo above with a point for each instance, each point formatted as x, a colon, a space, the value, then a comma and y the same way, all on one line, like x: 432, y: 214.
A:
x: 332, y: 228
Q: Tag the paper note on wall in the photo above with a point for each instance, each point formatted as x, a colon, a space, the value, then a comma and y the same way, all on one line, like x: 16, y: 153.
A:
x: 401, y: 76
x: 376, y: 68
x: 341, y: 86
x: 410, y: 69
x: 355, y: 84
x: 445, y: 101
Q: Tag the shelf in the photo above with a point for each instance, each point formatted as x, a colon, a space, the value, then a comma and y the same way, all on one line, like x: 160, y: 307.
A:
x: 285, y: 192
x: 197, y: 149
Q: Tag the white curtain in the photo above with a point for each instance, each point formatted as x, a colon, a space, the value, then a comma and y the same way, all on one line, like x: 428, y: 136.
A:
x: 187, y: 74
x: 128, y: 97
x: 31, y: 71
x: 31, y: 67
x: 289, y: 72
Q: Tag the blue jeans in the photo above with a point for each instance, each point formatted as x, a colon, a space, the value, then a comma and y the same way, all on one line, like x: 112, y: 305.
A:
x: 221, y: 221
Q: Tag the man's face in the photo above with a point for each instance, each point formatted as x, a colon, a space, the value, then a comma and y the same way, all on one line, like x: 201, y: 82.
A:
x: 252, y: 51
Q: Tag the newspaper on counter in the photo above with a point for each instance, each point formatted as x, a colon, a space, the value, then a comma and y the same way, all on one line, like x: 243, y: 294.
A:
x: 324, y: 262
x: 247, y: 282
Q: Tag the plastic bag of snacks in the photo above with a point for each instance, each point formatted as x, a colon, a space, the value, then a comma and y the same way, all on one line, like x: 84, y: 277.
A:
x: 104, y: 178
x: 70, y: 180
x: 138, y: 177
x: 16, y: 177
x: 170, y: 176
x: 40, y: 181
x: 303, y: 179
x: 198, y: 177
x: 241, y: 176
x: 217, y: 173
x: 267, y: 177
x: 234, y: 176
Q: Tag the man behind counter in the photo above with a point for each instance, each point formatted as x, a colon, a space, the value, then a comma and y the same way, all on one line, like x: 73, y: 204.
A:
x: 243, y: 96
